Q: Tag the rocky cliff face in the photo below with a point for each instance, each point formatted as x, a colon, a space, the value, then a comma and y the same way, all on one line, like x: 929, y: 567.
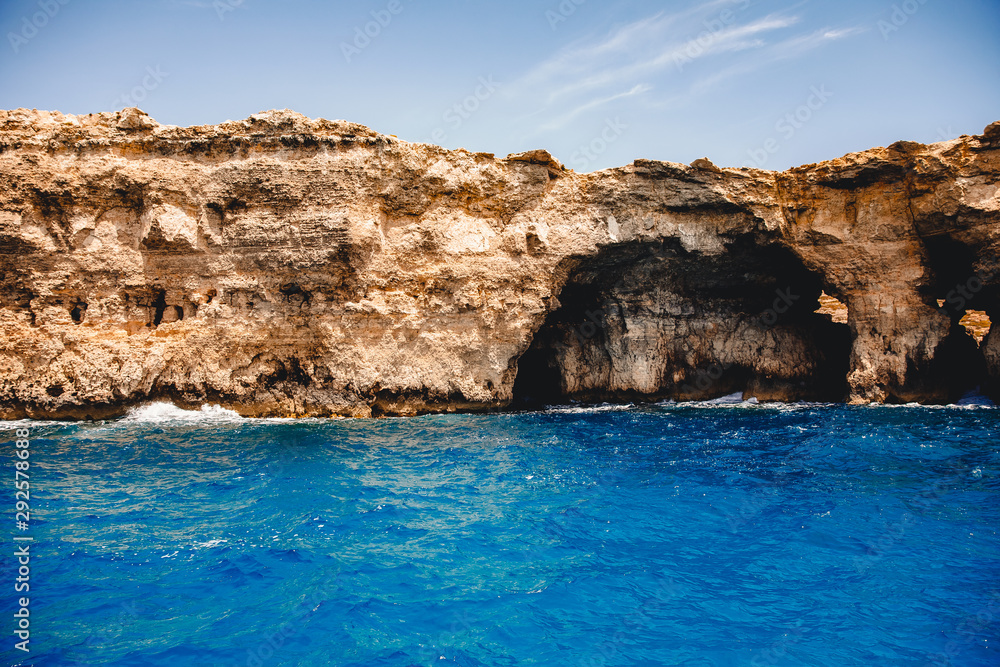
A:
x: 287, y: 266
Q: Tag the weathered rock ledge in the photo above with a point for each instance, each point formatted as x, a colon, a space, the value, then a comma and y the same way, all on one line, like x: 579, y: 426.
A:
x: 287, y: 266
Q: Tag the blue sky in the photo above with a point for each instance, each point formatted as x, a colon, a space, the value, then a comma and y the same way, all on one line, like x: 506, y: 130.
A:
x: 599, y: 84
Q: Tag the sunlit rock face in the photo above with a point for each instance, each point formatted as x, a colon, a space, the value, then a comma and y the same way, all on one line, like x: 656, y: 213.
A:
x: 287, y: 266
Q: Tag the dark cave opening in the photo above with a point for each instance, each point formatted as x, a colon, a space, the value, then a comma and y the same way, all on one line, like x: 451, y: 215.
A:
x: 580, y: 317
x: 78, y: 312
x: 958, y: 290
x: 952, y: 263
x: 768, y: 286
x: 159, y: 306
x: 958, y: 365
x: 834, y: 341
x: 961, y: 293
x: 538, y: 381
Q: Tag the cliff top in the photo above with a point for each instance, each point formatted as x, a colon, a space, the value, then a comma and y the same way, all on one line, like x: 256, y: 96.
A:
x: 23, y: 128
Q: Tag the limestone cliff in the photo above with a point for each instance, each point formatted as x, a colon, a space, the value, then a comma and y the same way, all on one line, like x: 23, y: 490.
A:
x: 287, y: 266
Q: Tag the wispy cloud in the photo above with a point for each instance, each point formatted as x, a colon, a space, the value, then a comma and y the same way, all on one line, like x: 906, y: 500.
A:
x: 783, y: 50
x: 651, y: 59
x: 562, y: 120
x: 844, y: 32
x: 636, y: 61
x: 587, y: 75
x: 192, y: 3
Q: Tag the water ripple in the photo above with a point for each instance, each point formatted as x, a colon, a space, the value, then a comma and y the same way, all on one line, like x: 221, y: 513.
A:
x: 730, y: 533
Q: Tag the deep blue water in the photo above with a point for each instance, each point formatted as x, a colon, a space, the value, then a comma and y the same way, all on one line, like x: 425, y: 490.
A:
x: 669, y: 535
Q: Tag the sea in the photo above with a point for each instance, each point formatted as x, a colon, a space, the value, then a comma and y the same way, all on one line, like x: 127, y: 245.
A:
x: 700, y: 534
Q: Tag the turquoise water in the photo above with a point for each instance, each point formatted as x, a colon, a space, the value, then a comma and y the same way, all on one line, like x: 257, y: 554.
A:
x: 666, y: 535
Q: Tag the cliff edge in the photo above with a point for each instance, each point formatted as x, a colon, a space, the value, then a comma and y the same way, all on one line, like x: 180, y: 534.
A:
x: 282, y: 266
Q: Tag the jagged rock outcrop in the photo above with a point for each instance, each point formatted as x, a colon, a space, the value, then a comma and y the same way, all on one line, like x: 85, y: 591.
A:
x: 287, y: 266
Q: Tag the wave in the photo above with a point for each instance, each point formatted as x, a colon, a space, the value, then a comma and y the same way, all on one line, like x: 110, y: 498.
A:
x: 168, y: 413
x: 737, y: 401
x: 734, y: 400
x: 164, y: 412
x: 987, y: 405
x: 587, y: 409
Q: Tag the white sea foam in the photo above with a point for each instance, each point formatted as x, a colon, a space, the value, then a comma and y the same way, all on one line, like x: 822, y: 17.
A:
x: 731, y: 399
x: 29, y: 423
x: 975, y: 399
x: 586, y: 410
x: 736, y: 400
x: 159, y: 413
x: 165, y: 413
x: 971, y: 401
x: 986, y: 405
x: 210, y: 544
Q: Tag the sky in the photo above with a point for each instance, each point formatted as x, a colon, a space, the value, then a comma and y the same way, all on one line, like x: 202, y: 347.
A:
x: 597, y: 83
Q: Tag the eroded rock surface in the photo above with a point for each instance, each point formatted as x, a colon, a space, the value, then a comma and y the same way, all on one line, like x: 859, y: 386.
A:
x: 287, y: 266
